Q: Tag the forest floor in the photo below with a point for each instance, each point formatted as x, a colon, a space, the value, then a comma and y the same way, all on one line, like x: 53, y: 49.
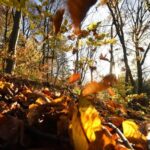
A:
x: 36, y: 117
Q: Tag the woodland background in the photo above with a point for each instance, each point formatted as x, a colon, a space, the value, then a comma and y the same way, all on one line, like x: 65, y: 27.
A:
x: 57, y: 55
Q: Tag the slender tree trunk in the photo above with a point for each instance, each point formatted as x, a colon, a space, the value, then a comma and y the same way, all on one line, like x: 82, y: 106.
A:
x: 10, y: 61
x: 111, y: 53
x: 23, y: 25
x: 117, y: 20
x: 6, y: 24
x: 77, y: 58
x: 139, y: 69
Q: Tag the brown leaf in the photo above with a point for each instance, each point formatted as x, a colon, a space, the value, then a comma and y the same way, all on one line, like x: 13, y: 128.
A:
x: 116, y: 120
x: 141, y: 49
x: 104, y: 141
x: 78, y: 10
x: 109, y: 80
x: 103, y: 57
x: 75, y: 77
x: 57, y: 20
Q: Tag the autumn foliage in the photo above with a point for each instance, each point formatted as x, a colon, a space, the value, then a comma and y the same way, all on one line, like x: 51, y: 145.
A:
x: 54, y: 111
x: 54, y: 115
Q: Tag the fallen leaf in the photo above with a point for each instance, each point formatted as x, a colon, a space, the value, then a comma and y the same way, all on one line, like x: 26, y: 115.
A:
x: 40, y: 101
x: 116, y: 120
x: 90, y: 121
x: 120, y: 147
x: 104, y: 141
x: 111, y: 92
x: 58, y: 100
x: 80, y: 141
x: 132, y: 132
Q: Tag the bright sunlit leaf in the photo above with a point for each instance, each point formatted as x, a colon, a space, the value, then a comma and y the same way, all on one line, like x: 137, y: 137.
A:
x: 79, y: 138
x: 131, y: 130
x: 91, y: 121
x: 40, y: 101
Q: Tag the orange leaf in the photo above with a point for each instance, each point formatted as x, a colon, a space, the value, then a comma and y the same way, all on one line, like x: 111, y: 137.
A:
x: 78, y: 10
x: 57, y: 20
x: 116, y: 120
x: 104, y: 141
x: 93, y: 88
x: 75, y: 77
x: 120, y: 147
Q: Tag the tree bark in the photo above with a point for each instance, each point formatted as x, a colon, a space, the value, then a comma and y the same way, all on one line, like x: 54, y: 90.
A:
x: 139, y: 69
x: 10, y: 61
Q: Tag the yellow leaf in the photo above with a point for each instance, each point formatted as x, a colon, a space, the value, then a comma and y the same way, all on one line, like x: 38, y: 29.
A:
x: 2, y: 85
x: 91, y: 121
x: 40, y: 101
x: 79, y: 139
x: 131, y: 130
x: 58, y: 100
x: 85, y: 125
x: 32, y: 106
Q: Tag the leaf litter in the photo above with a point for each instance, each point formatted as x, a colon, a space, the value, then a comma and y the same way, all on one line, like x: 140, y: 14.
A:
x: 34, y: 116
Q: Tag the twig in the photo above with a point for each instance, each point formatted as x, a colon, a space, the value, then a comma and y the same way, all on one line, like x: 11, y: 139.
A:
x: 124, y: 139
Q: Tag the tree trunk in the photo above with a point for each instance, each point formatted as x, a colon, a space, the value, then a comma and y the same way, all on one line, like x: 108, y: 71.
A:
x: 6, y: 24
x: 139, y: 69
x: 117, y: 20
x: 10, y: 61
x: 112, y: 63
